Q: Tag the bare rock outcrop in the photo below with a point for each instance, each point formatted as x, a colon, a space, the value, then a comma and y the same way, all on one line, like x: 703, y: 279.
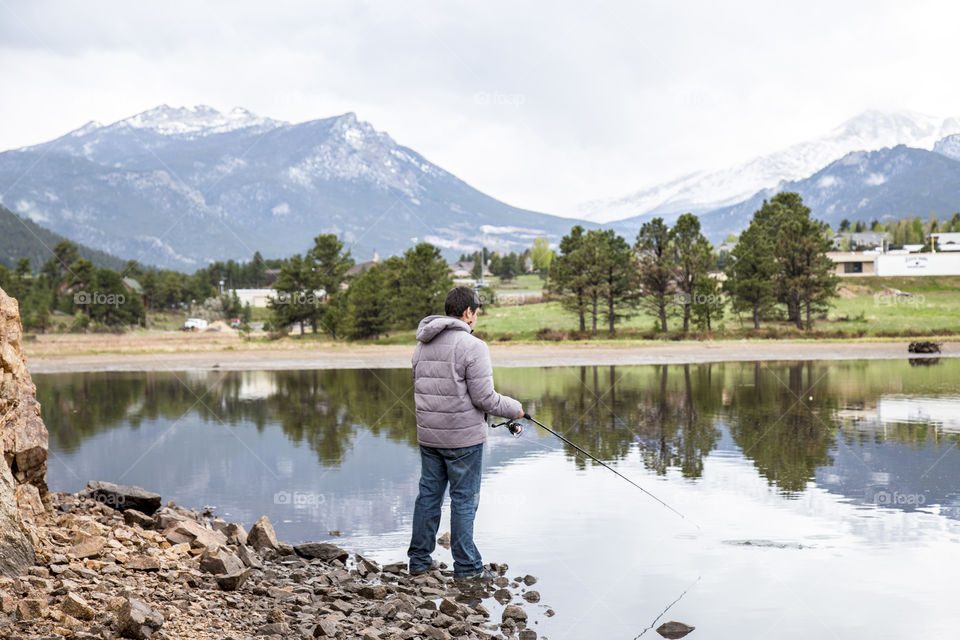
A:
x: 23, y: 444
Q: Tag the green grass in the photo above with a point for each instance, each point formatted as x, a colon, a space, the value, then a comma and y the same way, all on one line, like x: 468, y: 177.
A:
x: 934, y: 309
x: 872, y: 314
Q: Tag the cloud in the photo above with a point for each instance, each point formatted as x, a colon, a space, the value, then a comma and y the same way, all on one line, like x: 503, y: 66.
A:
x: 543, y: 105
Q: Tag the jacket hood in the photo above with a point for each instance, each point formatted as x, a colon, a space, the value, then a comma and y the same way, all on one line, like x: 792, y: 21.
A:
x: 432, y: 326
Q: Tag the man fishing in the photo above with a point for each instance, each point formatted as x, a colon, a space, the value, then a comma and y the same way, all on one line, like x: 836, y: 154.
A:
x: 453, y: 389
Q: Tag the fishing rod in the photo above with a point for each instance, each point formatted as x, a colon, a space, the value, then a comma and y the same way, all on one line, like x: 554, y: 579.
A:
x: 516, y: 429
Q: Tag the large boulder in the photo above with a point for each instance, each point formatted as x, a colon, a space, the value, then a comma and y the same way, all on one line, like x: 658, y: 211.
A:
x: 122, y: 497
x: 23, y: 445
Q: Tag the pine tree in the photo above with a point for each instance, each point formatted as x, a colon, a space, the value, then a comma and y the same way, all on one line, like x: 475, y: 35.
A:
x: 708, y: 303
x: 692, y: 256
x: 295, y: 301
x: 751, y: 272
x: 568, y: 275
x: 424, y: 283
x: 366, y: 314
x: 655, y: 269
x: 615, y: 278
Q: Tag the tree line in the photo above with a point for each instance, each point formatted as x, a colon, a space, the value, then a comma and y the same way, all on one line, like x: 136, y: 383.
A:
x: 778, y: 270
x: 904, y: 231
x: 315, y: 290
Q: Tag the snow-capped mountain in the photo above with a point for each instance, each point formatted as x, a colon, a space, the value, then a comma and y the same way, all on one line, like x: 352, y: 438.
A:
x: 703, y: 191
x: 886, y: 184
x: 179, y: 187
x: 949, y: 146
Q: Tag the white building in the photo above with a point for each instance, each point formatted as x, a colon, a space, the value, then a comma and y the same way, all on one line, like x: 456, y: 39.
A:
x: 918, y: 264
x: 946, y: 241
x: 256, y: 298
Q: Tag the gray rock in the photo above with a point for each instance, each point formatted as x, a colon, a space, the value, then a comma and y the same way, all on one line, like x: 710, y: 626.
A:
x: 122, y: 497
x: 220, y: 561
x: 233, y: 581
x: 532, y: 596
x: 529, y: 580
x: 138, y: 621
x: 133, y: 517
x: 514, y: 613
x: 326, y: 628
x: 274, y: 629
x: 194, y: 533
x: 74, y: 605
x: 142, y: 563
x: 235, y: 533
x: 366, y: 566
x: 528, y: 634
x: 450, y: 608
x: 674, y: 630
x: 262, y: 535
x: 503, y: 596
x: 249, y: 557
x: 322, y: 551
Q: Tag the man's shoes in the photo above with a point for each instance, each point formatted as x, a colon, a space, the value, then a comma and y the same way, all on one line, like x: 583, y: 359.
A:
x: 484, y: 577
x: 435, y: 564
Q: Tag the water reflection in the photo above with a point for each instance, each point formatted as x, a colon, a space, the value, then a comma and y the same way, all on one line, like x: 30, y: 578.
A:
x: 848, y: 467
x: 857, y: 428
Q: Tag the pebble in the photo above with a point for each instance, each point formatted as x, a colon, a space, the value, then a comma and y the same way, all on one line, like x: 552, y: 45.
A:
x: 179, y: 574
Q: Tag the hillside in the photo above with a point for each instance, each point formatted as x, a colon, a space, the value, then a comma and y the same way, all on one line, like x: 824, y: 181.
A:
x: 20, y: 238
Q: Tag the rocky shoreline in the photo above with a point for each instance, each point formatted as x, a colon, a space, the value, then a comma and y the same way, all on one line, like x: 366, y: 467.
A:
x: 112, y: 562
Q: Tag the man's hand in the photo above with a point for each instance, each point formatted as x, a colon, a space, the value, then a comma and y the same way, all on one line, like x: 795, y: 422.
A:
x: 522, y: 413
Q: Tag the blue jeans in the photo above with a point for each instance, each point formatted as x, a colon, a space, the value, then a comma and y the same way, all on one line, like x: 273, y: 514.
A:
x: 461, y: 469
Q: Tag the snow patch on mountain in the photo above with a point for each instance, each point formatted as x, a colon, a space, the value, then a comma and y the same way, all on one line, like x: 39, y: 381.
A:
x: 199, y: 120
x: 949, y: 146
x: 869, y: 131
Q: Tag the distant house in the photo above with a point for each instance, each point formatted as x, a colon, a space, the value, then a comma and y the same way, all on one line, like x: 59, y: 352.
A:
x: 725, y: 247
x: 464, y: 269
x: 132, y: 285
x: 895, y: 263
x: 135, y: 288
x: 363, y: 267
x: 859, y: 240
x: 946, y: 241
x: 853, y: 263
x: 256, y: 298
x: 946, y: 263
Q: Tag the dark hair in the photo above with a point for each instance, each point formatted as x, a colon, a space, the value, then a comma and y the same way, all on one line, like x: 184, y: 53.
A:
x: 459, y: 300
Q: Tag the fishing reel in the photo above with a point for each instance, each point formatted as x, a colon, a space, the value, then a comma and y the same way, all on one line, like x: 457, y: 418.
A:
x: 513, y: 426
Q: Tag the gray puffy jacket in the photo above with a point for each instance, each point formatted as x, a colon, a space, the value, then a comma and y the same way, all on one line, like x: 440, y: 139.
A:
x: 453, y: 385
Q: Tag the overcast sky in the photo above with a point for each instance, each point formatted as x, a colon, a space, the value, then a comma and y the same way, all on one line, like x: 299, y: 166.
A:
x: 542, y: 105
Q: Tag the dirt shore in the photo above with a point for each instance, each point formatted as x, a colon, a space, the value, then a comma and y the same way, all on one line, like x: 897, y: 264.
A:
x: 176, y: 352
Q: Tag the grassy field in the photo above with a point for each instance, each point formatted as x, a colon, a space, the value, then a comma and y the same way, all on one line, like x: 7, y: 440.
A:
x: 868, y: 308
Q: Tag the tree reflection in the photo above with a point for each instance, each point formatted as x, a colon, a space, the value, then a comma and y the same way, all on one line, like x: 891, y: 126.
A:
x: 783, y: 416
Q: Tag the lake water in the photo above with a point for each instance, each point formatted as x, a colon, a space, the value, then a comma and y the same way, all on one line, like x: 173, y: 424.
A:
x: 821, y: 500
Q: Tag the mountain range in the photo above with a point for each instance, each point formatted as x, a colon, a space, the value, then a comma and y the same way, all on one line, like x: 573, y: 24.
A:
x: 179, y: 187
x: 707, y: 191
